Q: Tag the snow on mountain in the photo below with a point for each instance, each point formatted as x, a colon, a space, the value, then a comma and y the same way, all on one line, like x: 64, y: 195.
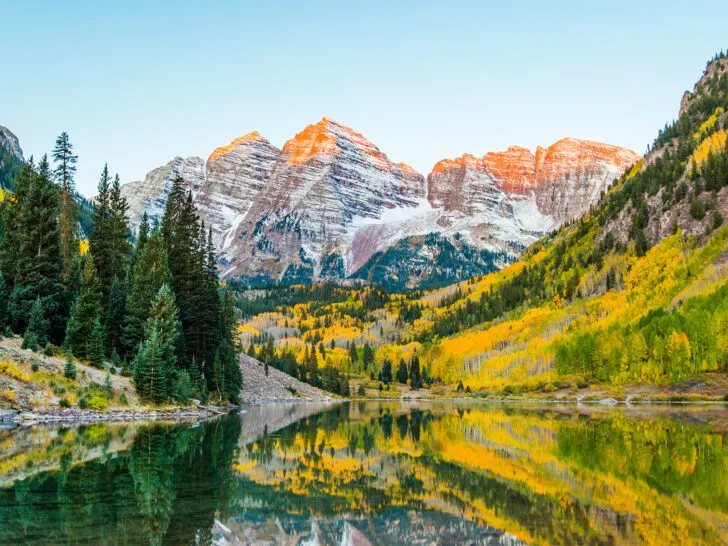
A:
x: 330, y: 199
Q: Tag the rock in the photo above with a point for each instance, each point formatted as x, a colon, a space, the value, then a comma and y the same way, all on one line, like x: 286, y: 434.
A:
x: 330, y: 200
x: 7, y: 415
x: 608, y: 402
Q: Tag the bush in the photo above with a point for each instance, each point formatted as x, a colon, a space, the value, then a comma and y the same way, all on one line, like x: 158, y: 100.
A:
x: 361, y: 391
x: 98, y: 402
x: 30, y: 341
x: 82, y: 403
x: 126, y: 372
x: 726, y: 397
x: 34, y: 366
x: 123, y: 399
x: 8, y: 332
x: 697, y: 208
x: 64, y: 403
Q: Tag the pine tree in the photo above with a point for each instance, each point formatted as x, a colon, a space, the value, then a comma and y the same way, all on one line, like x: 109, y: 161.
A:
x: 4, y: 297
x: 151, y: 377
x: 99, y: 240
x: 150, y: 274
x: 96, y: 344
x: 402, y: 372
x: 164, y: 316
x: 415, y: 376
x: 65, y: 171
x: 37, y: 331
x: 114, y: 316
x: 85, y: 312
x: 69, y: 369
x: 108, y: 387
x: 38, y: 260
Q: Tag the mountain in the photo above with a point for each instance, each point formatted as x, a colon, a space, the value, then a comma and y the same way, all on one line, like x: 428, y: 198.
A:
x: 330, y: 204
x: 11, y: 157
x: 633, y: 291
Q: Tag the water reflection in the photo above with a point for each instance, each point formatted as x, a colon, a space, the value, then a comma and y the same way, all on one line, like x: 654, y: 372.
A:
x: 379, y: 473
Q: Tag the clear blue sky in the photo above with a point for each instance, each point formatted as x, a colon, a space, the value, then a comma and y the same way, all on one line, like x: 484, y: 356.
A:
x: 137, y: 82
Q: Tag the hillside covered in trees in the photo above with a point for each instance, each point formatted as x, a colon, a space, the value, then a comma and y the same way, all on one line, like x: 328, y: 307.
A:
x: 153, y: 311
x: 633, y: 292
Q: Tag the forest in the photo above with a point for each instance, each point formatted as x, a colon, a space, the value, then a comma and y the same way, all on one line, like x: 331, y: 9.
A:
x: 147, y: 305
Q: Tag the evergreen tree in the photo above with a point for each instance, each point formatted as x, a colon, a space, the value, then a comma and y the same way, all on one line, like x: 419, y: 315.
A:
x: 402, y: 372
x: 4, y: 297
x: 69, y: 369
x: 151, y: 377
x: 85, y: 312
x: 387, y: 371
x: 150, y: 274
x: 96, y: 344
x: 37, y: 331
x: 114, y: 316
x: 99, y: 240
x: 155, y: 364
x: 415, y: 376
x: 38, y: 262
x: 108, y: 387
x: 65, y: 172
x: 367, y: 355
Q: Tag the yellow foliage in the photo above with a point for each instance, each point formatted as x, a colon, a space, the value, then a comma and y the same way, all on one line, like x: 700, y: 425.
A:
x: 710, y: 144
x: 708, y: 124
x: 14, y: 371
x: 83, y: 246
x: 636, y: 168
x: 248, y: 329
x: 9, y: 395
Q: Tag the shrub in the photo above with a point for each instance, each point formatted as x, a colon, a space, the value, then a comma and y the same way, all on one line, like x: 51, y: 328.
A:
x: 98, y: 402
x: 123, y: 399
x: 361, y: 391
x: 697, y: 208
x: 64, y: 403
x: 82, y: 402
x: 30, y: 341
x: 9, y: 395
x: 34, y: 366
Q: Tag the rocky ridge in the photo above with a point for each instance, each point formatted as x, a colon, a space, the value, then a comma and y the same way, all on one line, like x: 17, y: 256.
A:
x: 329, y: 201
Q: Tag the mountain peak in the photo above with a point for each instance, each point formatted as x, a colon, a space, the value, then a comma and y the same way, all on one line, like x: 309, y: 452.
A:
x: 315, y: 139
x: 223, y: 150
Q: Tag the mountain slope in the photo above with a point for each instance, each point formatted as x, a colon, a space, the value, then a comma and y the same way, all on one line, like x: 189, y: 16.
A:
x: 635, y: 291
x: 330, y: 200
x: 11, y: 157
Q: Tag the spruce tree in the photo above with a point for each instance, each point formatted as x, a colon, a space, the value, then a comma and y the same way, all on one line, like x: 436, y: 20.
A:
x: 38, y: 259
x: 402, y: 372
x: 151, y: 377
x: 155, y: 362
x: 37, y: 331
x: 4, y: 297
x: 150, y: 274
x: 85, y: 312
x: 114, y: 316
x: 96, y: 344
x: 65, y: 172
x: 414, y: 373
x: 69, y: 369
x: 99, y: 240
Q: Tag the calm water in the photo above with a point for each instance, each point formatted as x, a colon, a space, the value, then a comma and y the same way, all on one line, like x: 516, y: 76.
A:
x: 371, y: 473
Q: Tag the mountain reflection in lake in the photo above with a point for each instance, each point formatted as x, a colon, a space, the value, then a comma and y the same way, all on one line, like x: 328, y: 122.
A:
x: 375, y: 473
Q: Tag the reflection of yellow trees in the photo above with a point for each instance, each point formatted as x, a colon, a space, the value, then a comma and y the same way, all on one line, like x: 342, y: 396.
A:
x: 601, y: 469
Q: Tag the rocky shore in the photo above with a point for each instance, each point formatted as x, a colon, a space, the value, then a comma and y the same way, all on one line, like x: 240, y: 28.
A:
x: 78, y: 416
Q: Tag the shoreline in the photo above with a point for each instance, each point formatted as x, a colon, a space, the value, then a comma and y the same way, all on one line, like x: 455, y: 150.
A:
x: 82, y: 417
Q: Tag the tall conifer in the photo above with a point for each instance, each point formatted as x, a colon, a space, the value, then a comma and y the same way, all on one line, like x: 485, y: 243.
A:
x: 65, y: 171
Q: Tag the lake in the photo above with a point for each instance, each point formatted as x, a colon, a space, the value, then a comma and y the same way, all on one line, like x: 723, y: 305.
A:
x: 375, y: 473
